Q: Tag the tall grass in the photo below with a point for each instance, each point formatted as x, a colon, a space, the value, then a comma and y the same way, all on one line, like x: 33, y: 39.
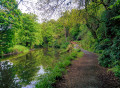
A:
x: 55, y: 73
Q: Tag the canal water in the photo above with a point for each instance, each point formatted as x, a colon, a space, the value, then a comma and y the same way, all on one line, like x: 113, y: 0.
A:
x: 22, y: 71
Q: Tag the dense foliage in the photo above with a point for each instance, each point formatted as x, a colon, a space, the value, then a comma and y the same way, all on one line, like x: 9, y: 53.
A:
x: 110, y: 43
x: 103, y: 21
x: 17, y: 28
x: 96, y: 27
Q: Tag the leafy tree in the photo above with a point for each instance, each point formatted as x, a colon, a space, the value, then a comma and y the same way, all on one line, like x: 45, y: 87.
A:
x: 8, y: 22
x: 30, y: 34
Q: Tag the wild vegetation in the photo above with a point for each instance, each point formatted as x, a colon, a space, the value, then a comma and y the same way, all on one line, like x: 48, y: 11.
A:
x: 46, y: 80
x: 96, y: 28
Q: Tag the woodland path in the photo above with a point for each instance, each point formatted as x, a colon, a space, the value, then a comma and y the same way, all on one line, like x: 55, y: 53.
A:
x: 87, y: 73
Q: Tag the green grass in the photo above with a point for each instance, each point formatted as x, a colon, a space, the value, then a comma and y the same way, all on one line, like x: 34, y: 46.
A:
x: 116, y: 70
x: 48, y: 79
x: 80, y: 54
x: 18, y: 48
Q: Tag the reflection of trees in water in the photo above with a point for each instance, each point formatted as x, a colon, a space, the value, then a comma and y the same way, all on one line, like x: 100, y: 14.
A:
x: 29, y: 65
x: 26, y: 67
x: 48, y: 57
x: 7, y: 75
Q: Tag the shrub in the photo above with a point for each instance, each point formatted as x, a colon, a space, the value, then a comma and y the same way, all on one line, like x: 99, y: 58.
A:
x: 64, y: 45
x: 18, y: 48
x: 116, y: 70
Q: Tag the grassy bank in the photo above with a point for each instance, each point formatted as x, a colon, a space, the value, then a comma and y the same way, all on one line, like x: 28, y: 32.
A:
x: 55, y: 73
x: 15, y: 52
x: 18, y: 49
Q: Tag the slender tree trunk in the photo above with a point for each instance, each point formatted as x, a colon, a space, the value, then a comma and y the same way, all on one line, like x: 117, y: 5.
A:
x: 65, y: 34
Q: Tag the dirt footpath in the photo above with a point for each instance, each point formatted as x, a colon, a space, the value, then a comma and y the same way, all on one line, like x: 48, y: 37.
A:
x: 86, y: 73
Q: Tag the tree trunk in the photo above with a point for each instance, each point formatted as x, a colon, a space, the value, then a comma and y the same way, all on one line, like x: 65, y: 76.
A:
x: 65, y: 34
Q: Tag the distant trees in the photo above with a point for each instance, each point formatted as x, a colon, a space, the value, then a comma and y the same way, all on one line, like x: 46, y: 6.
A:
x: 30, y: 33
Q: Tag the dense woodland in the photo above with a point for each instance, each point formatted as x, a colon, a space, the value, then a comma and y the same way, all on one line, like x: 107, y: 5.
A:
x: 96, y: 28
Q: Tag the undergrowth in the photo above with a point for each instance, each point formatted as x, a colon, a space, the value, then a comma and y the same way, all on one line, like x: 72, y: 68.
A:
x: 55, y: 73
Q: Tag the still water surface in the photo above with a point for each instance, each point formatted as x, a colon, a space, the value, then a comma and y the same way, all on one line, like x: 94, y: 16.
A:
x: 23, y: 71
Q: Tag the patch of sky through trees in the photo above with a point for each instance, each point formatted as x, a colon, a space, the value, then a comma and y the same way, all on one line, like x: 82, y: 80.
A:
x: 48, y: 9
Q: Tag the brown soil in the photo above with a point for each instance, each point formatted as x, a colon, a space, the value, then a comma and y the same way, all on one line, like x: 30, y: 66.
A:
x: 86, y: 73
